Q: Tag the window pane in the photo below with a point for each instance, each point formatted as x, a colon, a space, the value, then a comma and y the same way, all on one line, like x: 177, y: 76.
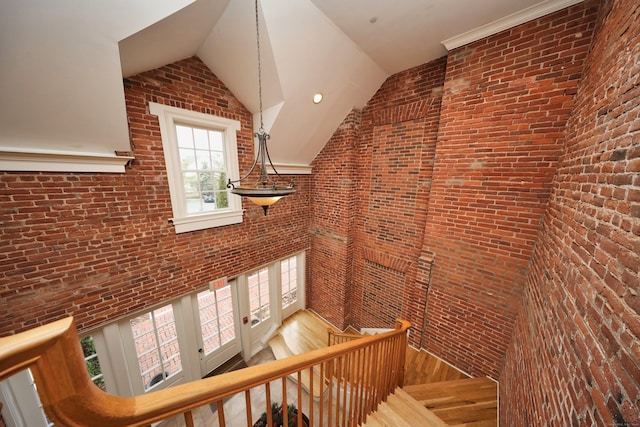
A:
x: 288, y: 279
x: 193, y: 202
x: 191, y: 182
x: 156, y: 344
x: 208, y: 320
x: 185, y: 136
x: 222, y: 200
x: 226, y: 319
x: 203, y: 169
x: 216, y: 318
x: 204, y: 160
x: 216, y: 140
x: 217, y: 160
x: 201, y: 138
x: 207, y: 181
x: 187, y: 159
x: 92, y: 362
x: 259, y: 296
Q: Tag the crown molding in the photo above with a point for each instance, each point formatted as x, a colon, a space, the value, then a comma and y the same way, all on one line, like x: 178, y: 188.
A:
x: 285, y: 169
x: 509, y: 21
x: 12, y: 159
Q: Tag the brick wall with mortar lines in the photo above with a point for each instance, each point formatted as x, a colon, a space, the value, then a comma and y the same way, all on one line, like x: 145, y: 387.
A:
x: 396, y: 150
x: 99, y: 246
x: 505, y: 104
x: 333, y: 201
x: 575, y: 354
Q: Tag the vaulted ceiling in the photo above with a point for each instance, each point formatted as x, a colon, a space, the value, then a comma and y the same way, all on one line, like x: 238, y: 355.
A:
x: 62, y: 64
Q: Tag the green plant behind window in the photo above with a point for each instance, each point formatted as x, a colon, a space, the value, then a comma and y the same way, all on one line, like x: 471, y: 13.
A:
x: 92, y: 362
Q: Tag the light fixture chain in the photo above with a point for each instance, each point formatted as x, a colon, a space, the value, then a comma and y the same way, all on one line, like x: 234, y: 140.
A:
x: 261, y: 130
x: 264, y: 192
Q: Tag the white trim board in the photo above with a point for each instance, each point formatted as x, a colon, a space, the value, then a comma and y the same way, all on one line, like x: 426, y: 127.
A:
x: 509, y: 21
x: 12, y: 159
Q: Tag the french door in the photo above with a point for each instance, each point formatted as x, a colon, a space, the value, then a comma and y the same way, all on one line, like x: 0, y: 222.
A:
x: 269, y: 295
x: 154, y: 350
x: 218, y: 334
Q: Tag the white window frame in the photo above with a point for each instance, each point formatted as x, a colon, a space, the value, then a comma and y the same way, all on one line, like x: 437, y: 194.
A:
x: 137, y: 383
x: 300, y: 272
x: 168, y: 117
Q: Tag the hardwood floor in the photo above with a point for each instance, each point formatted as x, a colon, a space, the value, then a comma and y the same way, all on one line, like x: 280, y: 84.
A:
x: 305, y: 331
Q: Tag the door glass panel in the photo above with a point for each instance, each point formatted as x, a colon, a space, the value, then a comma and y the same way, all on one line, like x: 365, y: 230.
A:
x: 288, y: 280
x: 156, y: 344
x: 92, y: 362
x: 259, y: 296
x: 215, y: 308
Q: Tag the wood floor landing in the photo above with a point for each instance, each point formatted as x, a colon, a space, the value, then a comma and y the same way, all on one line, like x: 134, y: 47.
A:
x: 305, y: 331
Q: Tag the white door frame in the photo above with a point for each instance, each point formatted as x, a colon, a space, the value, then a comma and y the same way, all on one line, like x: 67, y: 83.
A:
x: 20, y: 398
x: 208, y: 363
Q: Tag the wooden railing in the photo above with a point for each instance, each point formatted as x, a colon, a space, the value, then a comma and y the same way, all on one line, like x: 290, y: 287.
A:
x: 334, y: 338
x: 351, y: 380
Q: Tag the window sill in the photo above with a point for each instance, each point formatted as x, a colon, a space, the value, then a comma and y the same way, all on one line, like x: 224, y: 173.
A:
x: 204, y: 221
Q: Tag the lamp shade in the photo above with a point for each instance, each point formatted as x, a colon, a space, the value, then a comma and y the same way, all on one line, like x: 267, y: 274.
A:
x: 263, y: 196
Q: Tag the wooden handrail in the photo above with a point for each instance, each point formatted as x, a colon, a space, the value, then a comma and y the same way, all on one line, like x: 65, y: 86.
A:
x: 334, y: 337
x: 69, y: 397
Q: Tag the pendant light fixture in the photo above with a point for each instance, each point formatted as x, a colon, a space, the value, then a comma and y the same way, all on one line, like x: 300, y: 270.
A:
x: 265, y: 191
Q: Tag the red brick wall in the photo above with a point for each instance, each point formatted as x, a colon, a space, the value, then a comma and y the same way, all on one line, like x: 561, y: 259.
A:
x: 575, y: 354
x: 365, y: 238
x: 332, y: 201
x: 506, y: 102
x: 98, y: 246
x: 393, y: 178
x: 452, y: 178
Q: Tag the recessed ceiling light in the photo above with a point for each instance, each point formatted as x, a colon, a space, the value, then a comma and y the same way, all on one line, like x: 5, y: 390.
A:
x: 317, y: 98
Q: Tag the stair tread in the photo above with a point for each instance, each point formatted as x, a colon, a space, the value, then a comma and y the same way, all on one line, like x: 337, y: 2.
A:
x: 414, y: 408
x: 281, y: 350
x: 390, y: 417
x: 305, y: 331
x: 424, y: 367
x: 472, y: 389
x: 468, y: 402
x: 372, y: 421
x: 479, y: 423
x: 279, y: 347
x: 459, y: 402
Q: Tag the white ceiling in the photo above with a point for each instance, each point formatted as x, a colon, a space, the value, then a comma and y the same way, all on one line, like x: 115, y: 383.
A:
x: 62, y: 63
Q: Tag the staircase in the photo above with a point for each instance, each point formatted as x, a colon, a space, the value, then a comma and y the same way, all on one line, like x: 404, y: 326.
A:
x: 471, y: 401
x: 465, y: 402
x: 303, y: 332
x: 447, y: 398
x: 401, y: 410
